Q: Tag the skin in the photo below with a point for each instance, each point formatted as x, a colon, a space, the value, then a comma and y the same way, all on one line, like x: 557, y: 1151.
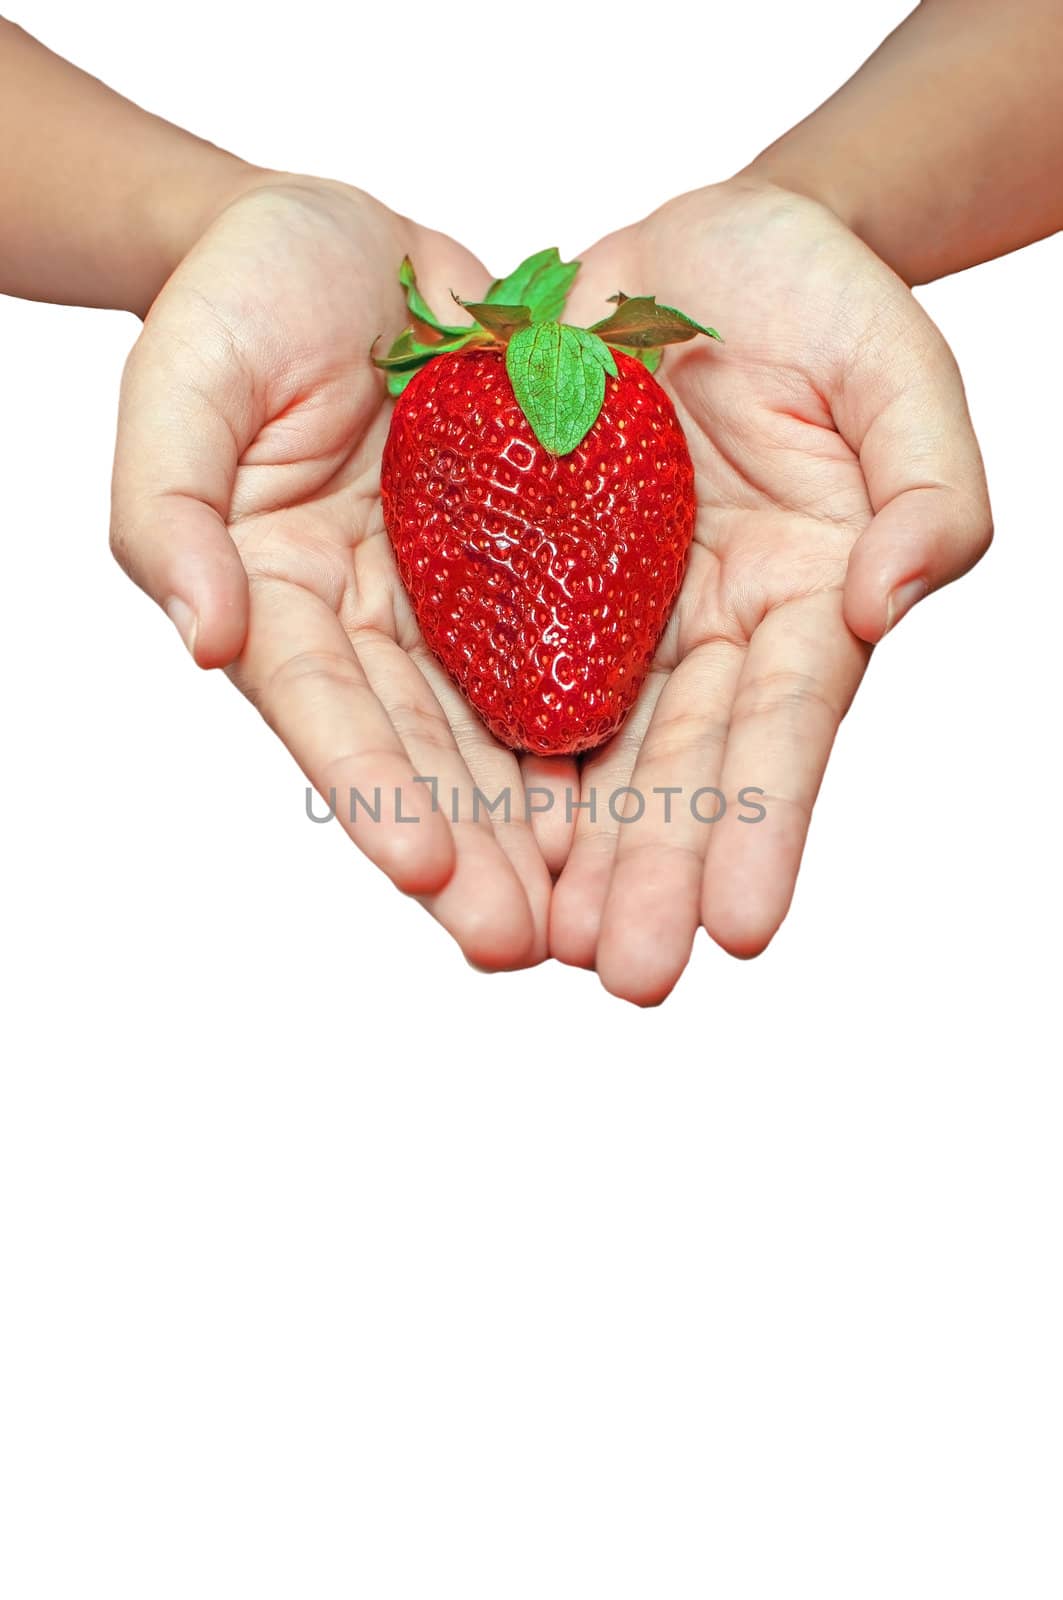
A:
x: 946, y: 148
x: 246, y: 500
x: 838, y: 477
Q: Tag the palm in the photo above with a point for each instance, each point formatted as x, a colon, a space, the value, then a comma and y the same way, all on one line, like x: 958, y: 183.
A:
x: 789, y: 425
x: 333, y: 656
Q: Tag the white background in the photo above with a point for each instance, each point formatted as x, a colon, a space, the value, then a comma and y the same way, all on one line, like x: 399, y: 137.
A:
x: 330, y: 1267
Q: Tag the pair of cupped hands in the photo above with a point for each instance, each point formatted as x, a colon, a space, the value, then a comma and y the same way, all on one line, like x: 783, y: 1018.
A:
x: 838, y: 481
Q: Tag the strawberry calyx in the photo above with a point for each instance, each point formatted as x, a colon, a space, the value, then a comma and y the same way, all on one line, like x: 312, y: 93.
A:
x: 558, y: 371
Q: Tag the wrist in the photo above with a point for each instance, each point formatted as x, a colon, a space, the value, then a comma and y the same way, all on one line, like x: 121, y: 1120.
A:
x: 746, y: 188
x: 179, y: 204
x: 782, y: 168
x: 861, y: 203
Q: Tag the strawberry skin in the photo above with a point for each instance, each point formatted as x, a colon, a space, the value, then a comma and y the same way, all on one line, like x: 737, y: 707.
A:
x: 542, y: 582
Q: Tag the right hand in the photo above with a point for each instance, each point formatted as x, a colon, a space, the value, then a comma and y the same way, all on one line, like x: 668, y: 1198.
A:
x: 246, y: 502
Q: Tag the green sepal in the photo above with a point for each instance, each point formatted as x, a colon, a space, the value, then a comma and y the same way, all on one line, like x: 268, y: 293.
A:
x: 651, y: 357
x: 502, y: 321
x: 640, y: 323
x: 558, y: 376
x: 541, y: 283
x: 397, y: 381
x: 408, y: 352
x: 557, y: 371
x: 418, y: 305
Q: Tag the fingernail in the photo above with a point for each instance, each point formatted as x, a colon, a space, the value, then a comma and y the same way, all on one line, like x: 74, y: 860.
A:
x: 184, y: 620
x: 903, y: 598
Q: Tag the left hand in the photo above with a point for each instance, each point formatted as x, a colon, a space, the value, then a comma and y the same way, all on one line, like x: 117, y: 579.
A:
x: 838, y: 480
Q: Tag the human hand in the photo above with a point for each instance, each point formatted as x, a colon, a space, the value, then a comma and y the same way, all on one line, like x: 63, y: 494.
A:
x: 246, y: 502
x: 838, y: 481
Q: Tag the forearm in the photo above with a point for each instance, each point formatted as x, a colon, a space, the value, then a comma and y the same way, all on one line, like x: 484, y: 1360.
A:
x: 946, y: 148
x: 99, y: 200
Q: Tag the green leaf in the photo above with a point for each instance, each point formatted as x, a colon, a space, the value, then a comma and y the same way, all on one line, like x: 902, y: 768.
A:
x: 503, y: 321
x: 408, y: 352
x: 650, y: 357
x: 541, y: 283
x: 558, y: 376
x: 641, y: 323
x: 397, y: 381
x: 418, y: 305
x: 403, y: 344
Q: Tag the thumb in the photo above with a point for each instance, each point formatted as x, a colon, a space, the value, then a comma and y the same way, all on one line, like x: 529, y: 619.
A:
x: 902, y: 408
x: 919, y: 541
x: 181, y: 418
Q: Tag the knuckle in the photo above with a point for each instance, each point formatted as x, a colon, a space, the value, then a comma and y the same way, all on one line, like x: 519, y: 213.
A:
x: 302, y: 679
x: 784, y: 693
x: 119, y: 540
x: 977, y: 529
x: 984, y: 532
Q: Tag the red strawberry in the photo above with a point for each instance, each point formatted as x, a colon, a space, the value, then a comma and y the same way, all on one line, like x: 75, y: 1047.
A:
x: 539, y: 495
